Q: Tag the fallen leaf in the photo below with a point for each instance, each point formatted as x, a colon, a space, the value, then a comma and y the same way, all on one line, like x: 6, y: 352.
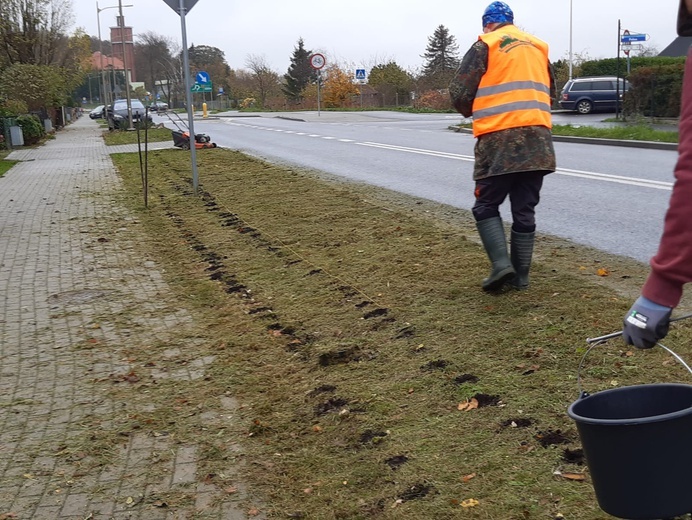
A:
x: 307, y: 491
x: 469, y: 502
x: 603, y: 272
x: 129, y: 500
x: 574, y: 476
x: 466, y: 406
x: 253, y: 511
x: 466, y: 478
x: 317, y: 428
x: 230, y: 490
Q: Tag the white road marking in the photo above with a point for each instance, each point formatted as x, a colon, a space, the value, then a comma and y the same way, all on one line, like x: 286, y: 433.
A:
x: 605, y: 177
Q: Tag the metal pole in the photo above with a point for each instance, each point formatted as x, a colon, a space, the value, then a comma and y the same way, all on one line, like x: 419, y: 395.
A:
x: 188, y: 97
x: 121, y: 19
x: 319, y: 82
x: 104, y: 100
x: 570, y: 39
x: 617, y: 78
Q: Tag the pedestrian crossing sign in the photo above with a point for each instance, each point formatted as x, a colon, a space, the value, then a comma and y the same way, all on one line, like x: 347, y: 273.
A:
x: 360, y: 73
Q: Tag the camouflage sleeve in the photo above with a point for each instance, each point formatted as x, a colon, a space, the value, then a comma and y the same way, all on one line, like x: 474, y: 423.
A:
x: 464, y: 86
x: 553, y: 88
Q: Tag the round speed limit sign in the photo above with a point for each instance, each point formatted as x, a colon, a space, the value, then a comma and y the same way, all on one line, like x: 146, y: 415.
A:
x: 317, y: 61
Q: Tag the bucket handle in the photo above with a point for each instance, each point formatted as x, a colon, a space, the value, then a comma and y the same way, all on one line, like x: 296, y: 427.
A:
x: 594, y: 342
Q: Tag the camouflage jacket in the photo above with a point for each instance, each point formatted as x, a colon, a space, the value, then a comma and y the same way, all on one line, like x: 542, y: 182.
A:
x: 528, y: 148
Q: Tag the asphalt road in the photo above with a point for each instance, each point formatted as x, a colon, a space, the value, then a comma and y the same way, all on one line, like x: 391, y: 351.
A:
x: 608, y: 197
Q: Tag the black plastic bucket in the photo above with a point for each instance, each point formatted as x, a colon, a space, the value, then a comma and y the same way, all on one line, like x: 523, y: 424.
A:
x: 637, y: 442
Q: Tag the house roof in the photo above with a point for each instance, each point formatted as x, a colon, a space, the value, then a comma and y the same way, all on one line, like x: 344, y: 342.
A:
x: 678, y: 47
x: 108, y: 62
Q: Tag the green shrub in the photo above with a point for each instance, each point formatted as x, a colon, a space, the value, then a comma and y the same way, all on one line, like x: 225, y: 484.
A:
x: 611, y: 67
x: 12, y: 108
x: 32, y: 129
x: 655, y: 91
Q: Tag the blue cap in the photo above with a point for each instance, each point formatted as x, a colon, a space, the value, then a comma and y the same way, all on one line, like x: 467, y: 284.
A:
x: 498, y: 12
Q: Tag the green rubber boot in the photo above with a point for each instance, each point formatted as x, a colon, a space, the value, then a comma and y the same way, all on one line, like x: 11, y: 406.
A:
x: 492, y: 234
x: 521, y: 252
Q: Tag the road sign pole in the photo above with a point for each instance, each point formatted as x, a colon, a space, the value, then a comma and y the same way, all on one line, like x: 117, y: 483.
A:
x: 188, y: 95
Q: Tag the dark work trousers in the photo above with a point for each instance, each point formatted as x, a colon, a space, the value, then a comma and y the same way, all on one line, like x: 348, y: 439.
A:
x: 524, y: 190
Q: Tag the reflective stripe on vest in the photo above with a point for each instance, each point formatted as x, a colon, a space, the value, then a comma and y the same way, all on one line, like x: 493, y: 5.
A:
x: 515, y: 90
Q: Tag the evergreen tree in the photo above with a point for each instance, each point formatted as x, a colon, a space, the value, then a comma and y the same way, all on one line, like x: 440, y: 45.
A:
x: 300, y: 74
x: 441, y: 58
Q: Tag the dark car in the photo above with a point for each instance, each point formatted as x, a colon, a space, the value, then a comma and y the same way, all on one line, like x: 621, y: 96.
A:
x: 118, y: 117
x: 586, y: 95
x: 97, y: 113
x: 158, y: 106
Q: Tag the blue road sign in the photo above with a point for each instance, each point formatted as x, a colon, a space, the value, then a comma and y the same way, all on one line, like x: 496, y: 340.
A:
x: 360, y: 73
x: 202, y: 77
x: 629, y: 38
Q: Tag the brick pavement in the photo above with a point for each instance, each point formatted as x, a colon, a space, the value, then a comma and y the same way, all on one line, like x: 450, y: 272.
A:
x: 67, y: 264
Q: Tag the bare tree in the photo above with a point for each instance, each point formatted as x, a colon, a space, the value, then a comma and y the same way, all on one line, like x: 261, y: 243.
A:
x: 152, y: 58
x: 266, y: 80
x: 35, y: 31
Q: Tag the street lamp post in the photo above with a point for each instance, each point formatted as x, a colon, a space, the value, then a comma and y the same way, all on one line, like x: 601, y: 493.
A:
x: 98, y: 22
x: 570, y: 39
x: 121, y: 21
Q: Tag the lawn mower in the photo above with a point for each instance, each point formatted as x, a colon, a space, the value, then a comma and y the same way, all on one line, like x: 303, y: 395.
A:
x: 181, y: 135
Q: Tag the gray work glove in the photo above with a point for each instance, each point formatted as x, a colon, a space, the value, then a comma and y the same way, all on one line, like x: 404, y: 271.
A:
x: 646, y: 323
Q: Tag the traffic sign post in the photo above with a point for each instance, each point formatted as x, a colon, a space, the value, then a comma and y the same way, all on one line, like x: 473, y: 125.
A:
x: 360, y: 74
x: 182, y: 7
x: 317, y: 62
x: 178, y: 5
x: 199, y: 88
x: 629, y: 38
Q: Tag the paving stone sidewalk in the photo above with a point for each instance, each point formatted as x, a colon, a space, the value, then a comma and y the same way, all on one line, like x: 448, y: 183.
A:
x: 61, y: 277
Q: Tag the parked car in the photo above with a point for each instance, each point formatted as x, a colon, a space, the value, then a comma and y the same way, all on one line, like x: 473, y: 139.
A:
x: 599, y: 93
x: 158, y: 106
x: 118, y: 117
x: 97, y: 113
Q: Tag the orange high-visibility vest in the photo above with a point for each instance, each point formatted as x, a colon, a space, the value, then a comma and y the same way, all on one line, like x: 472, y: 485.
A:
x: 515, y: 90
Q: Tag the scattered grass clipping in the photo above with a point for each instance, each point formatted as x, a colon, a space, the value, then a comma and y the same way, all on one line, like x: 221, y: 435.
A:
x: 349, y: 323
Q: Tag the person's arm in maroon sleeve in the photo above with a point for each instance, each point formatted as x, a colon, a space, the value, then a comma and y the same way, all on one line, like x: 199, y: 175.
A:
x: 648, y: 319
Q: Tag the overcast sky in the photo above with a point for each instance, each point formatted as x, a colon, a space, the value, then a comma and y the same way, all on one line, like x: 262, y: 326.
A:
x: 362, y: 33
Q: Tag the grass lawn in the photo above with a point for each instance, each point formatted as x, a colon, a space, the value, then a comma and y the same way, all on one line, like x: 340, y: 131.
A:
x: 374, y: 379
x: 633, y: 132
x: 5, y: 165
x: 118, y: 137
x: 637, y: 132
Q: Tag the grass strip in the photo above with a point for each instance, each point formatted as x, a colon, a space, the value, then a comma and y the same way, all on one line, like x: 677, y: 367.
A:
x: 119, y: 137
x: 376, y: 379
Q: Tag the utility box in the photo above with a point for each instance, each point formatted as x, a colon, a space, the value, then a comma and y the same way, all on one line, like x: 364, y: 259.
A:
x: 16, y: 136
x: 48, y: 125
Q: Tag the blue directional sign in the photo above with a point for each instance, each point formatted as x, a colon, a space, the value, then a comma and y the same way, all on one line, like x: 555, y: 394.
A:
x: 629, y: 38
x: 202, y: 77
x: 360, y: 73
